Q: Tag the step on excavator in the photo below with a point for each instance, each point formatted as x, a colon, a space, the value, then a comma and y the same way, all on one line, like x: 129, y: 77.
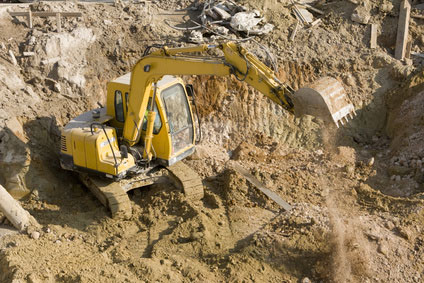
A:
x: 148, y: 125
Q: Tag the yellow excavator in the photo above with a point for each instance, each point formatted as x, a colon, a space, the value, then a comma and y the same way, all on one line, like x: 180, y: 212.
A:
x: 148, y: 125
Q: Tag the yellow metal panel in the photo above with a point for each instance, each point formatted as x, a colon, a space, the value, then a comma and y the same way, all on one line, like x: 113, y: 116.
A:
x: 90, y: 151
x: 106, y: 161
x: 78, y: 147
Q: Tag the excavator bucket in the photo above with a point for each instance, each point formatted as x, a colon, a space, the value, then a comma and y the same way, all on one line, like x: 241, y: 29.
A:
x: 325, y: 99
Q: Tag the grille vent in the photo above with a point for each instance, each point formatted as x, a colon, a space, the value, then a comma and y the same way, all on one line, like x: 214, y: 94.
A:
x: 63, y: 144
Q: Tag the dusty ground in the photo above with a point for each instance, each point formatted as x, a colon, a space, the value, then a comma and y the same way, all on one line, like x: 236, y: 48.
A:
x: 356, y: 192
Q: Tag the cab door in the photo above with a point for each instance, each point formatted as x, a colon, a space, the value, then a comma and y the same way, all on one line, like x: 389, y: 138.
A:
x: 179, y: 118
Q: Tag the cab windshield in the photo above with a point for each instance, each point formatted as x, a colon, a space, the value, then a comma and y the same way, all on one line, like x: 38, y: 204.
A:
x: 179, y: 117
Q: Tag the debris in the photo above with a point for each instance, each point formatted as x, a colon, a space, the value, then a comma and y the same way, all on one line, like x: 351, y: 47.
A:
x: 361, y: 14
x: 195, y: 36
x: 402, y: 32
x: 59, y: 22
x: 28, y: 53
x: 19, y: 217
x: 294, y: 31
x: 417, y: 54
x: 382, y: 248
x: 417, y: 16
x: 222, y: 13
x: 302, y: 15
x: 373, y: 41
x: 306, y: 15
x: 50, y: 61
x: 13, y: 58
x: 35, y: 235
x: 315, y: 23
x: 260, y: 186
x: 386, y: 7
x: 248, y: 23
x: 29, y: 15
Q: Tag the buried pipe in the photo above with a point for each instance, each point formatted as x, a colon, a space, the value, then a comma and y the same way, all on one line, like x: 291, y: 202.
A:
x: 14, y: 212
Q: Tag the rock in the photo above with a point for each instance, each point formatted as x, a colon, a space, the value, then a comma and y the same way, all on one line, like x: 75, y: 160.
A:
x: 382, y: 248
x: 56, y: 87
x: 32, y: 40
x: 222, y: 30
x: 350, y: 169
x: 405, y: 233
x: 361, y: 14
x: 370, y: 162
x: 35, y: 235
x: 386, y: 7
x: 195, y: 36
x: 389, y: 225
x: 306, y: 280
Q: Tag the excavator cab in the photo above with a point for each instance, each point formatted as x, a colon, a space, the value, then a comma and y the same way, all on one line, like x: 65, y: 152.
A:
x: 173, y: 129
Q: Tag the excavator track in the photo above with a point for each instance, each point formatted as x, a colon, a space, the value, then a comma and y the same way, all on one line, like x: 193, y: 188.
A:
x: 187, y: 180
x: 113, y: 194
x: 110, y: 193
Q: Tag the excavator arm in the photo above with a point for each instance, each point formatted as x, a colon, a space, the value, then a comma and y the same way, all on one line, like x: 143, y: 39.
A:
x: 236, y: 61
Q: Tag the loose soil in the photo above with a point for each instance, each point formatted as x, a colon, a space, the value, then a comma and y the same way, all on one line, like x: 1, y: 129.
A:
x: 357, y: 192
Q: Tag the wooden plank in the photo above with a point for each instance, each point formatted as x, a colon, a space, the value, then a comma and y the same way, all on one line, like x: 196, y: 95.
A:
x: 402, y: 32
x: 30, y: 19
x: 13, y: 58
x: 294, y: 31
x: 417, y: 16
x: 59, y: 22
x: 417, y: 54
x: 252, y: 179
x: 373, y: 41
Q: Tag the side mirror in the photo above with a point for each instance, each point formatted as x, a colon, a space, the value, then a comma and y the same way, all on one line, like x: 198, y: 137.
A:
x: 124, y: 151
x: 189, y: 90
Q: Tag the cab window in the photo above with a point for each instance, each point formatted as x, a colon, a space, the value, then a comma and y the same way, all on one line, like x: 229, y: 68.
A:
x: 158, y: 122
x: 179, y: 117
x: 119, y: 107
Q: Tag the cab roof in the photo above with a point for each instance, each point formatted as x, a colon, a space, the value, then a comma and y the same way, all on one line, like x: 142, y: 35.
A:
x: 125, y: 79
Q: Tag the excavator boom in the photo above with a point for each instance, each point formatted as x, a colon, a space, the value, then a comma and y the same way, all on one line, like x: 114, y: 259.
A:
x: 326, y: 99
